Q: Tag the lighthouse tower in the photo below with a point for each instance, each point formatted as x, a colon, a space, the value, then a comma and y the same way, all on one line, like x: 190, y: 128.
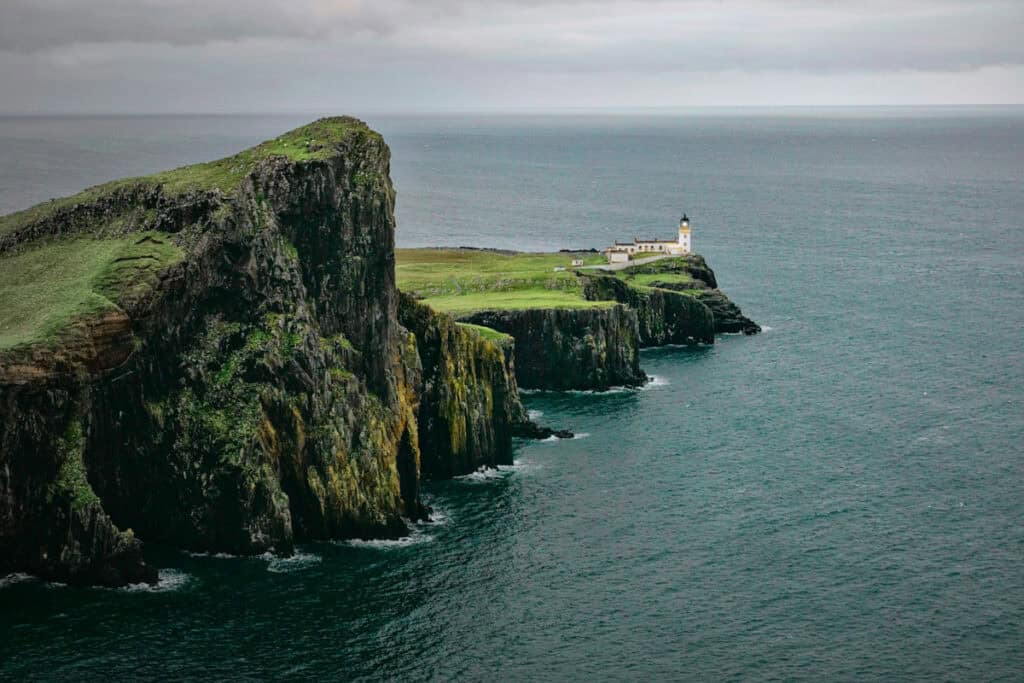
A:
x: 685, y: 245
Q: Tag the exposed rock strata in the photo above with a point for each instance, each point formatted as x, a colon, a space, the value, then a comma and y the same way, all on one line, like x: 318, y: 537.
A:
x: 728, y: 317
x: 663, y: 317
x: 703, y: 286
x: 469, y: 401
x: 585, y: 348
x: 269, y: 385
x: 258, y: 392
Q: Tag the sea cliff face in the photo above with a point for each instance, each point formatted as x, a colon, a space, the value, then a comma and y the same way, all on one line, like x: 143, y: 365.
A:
x: 692, y: 275
x: 469, y: 400
x: 663, y: 317
x: 557, y: 348
x: 239, y: 379
x: 216, y: 358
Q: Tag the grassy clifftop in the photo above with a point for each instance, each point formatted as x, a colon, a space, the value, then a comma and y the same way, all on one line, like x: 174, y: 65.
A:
x: 462, y: 281
x: 101, y: 249
x: 467, y: 280
x: 310, y: 142
x: 47, y: 286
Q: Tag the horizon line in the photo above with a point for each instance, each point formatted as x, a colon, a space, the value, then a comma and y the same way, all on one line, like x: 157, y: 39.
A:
x: 513, y: 110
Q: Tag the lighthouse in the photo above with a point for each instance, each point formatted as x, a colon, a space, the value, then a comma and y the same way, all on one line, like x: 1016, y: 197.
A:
x: 622, y: 252
x: 684, y: 235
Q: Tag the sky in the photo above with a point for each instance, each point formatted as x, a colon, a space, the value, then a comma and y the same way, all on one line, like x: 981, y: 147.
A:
x: 178, y: 56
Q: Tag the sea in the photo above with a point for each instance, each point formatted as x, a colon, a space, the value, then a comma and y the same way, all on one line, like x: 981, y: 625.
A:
x: 838, y: 498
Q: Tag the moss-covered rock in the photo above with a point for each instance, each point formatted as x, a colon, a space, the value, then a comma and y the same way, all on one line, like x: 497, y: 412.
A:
x: 690, y: 275
x: 583, y: 348
x: 252, y: 389
x: 52, y: 523
x: 663, y: 317
x: 469, y: 401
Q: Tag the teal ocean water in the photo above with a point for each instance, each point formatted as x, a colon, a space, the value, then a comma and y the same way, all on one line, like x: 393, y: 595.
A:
x: 839, y: 498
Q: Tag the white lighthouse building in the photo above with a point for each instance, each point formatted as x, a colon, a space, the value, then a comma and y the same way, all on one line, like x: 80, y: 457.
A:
x: 622, y: 252
x: 684, y: 235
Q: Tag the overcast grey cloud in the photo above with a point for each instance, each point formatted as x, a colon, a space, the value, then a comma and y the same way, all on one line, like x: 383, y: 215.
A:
x: 233, y: 55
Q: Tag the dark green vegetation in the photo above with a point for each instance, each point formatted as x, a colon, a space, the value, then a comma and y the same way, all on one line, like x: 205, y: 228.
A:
x: 469, y: 403
x: 574, y: 327
x: 48, y: 285
x: 314, y: 142
x: 213, y: 357
x: 691, y: 276
x: 463, y: 281
x: 218, y: 358
x: 487, y: 333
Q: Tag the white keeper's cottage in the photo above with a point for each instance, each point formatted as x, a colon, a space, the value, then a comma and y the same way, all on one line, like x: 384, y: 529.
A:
x: 622, y: 252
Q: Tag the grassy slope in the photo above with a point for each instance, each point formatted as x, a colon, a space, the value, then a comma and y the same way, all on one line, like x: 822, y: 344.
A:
x: 461, y: 281
x: 302, y: 144
x: 487, y: 333
x: 46, y: 287
x: 650, y: 275
x: 648, y: 280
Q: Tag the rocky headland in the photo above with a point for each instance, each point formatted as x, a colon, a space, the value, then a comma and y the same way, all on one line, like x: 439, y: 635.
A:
x: 575, y: 327
x: 218, y: 359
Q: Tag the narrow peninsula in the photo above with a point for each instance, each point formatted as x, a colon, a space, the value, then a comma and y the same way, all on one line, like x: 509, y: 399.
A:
x: 219, y: 358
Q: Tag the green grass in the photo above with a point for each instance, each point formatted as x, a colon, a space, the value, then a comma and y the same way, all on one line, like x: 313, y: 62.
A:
x: 72, y: 480
x: 463, y: 280
x: 487, y: 333
x: 688, y: 292
x: 645, y: 279
x: 46, y: 287
x: 443, y: 272
x: 313, y: 141
x: 511, y: 301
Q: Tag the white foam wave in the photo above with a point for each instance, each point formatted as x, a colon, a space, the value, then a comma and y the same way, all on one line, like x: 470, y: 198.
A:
x: 414, y: 538
x: 483, y: 474
x: 12, y: 579
x: 283, y: 565
x: 655, y: 382
x: 438, y: 517
x: 167, y: 580
x: 602, y: 392
x: 584, y: 392
x: 553, y: 438
x: 519, y: 467
x: 766, y: 328
x: 215, y: 556
x: 534, y: 414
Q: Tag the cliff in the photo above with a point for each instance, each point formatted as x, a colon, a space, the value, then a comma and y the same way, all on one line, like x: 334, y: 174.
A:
x: 212, y: 358
x: 469, y: 401
x: 692, y: 276
x: 561, y: 348
x: 664, y: 317
x: 575, y: 325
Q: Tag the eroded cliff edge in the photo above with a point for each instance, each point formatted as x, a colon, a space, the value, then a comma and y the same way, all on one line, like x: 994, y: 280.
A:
x: 580, y: 327
x: 560, y: 348
x: 236, y: 377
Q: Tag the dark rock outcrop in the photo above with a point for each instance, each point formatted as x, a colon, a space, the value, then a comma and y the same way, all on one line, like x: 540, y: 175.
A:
x: 257, y: 391
x: 469, y: 403
x: 702, y: 285
x: 664, y: 317
x: 531, y: 430
x: 728, y: 317
x: 52, y: 524
x: 692, y: 265
x: 580, y: 348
